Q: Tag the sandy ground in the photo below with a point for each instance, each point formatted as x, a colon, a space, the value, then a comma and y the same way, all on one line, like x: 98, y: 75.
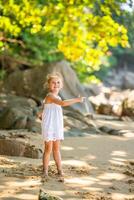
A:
x: 96, y: 167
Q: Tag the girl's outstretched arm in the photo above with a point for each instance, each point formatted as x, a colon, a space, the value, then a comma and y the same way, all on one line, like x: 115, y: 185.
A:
x: 53, y: 99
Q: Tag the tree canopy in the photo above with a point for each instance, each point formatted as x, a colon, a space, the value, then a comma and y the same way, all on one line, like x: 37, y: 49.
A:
x: 80, y: 30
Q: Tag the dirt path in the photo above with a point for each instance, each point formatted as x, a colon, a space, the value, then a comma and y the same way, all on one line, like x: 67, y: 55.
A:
x: 96, y: 167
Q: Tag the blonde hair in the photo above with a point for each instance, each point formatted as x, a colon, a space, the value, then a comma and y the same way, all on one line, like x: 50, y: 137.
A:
x: 52, y: 76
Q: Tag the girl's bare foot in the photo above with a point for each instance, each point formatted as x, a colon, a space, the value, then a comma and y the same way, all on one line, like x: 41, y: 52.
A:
x: 45, y: 176
x: 60, y: 173
x: 61, y: 176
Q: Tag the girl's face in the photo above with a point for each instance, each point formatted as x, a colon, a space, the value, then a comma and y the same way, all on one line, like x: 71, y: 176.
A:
x: 55, y: 85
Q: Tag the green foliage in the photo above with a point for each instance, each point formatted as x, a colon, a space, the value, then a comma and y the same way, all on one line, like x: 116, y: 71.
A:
x: 88, y: 74
x: 81, y: 30
x: 128, y: 21
x: 40, y: 48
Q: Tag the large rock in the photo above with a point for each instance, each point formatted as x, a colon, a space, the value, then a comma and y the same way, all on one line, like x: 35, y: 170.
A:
x: 29, y: 83
x: 93, y: 89
x: 128, y: 82
x: 19, y: 143
x: 121, y: 79
x: 72, y: 87
x: 119, y: 103
x: 21, y: 113
x: 16, y: 112
x: 16, y: 101
x: 114, y: 78
x: 12, y: 147
x: 128, y: 105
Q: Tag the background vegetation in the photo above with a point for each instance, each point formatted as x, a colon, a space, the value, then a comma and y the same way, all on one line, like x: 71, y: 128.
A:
x: 85, y: 32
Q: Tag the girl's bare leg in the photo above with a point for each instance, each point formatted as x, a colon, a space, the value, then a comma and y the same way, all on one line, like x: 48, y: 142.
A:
x: 57, y: 156
x: 46, y: 156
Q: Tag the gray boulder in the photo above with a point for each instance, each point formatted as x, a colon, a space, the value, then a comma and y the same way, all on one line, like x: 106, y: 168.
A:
x: 128, y: 105
x: 16, y: 112
x: 128, y: 82
x: 72, y: 87
x: 29, y: 83
x: 121, y: 79
x: 12, y: 147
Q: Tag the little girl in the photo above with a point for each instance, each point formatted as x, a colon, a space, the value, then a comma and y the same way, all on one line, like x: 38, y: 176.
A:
x: 52, y: 121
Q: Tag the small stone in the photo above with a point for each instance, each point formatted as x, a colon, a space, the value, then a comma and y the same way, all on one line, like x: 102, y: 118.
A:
x: 46, y: 196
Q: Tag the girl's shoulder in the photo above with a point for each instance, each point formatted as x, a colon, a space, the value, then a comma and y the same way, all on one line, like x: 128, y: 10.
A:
x: 48, y: 95
x: 53, y: 95
x: 45, y: 98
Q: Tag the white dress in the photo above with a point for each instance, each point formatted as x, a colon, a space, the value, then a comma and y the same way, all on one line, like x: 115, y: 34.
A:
x: 52, y: 122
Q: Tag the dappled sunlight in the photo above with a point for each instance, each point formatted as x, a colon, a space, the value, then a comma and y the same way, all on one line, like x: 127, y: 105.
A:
x: 2, y: 187
x: 8, y: 166
x: 94, y: 164
x: 7, y: 163
x: 105, y: 174
x: 6, y: 158
x: 128, y: 135
x: 105, y: 183
x: 19, y: 189
x: 87, y: 183
x: 24, y: 183
x: 112, y: 176
x: 74, y: 163
x: 127, y: 131
x: 119, y: 159
x: 83, y: 148
x: 121, y: 196
x: 67, y: 148
x: 22, y: 196
x: 115, y: 162
x: 89, y: 157
x: 84, y: 181
x: 20, y: 159
x: 119, y: 153
x: 26, y: 196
